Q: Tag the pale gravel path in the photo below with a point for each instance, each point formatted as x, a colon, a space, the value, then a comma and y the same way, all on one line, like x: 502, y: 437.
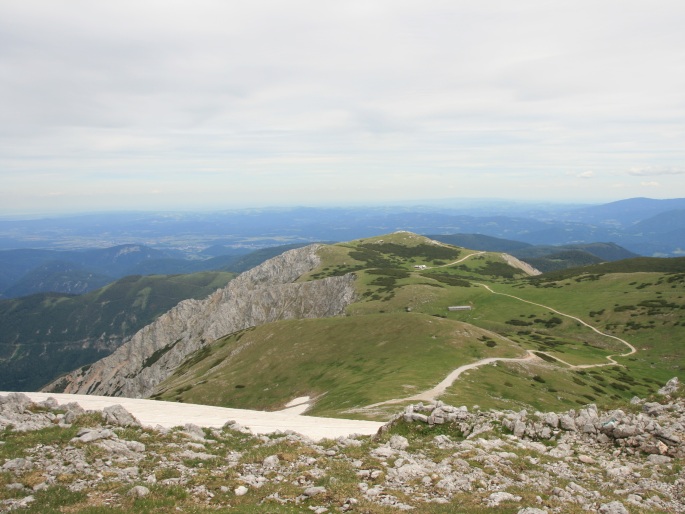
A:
x: 432, y: 394
x: 456, y: 262
x: 172, y: 414
x: 611, y: 362
x: 435, y: 392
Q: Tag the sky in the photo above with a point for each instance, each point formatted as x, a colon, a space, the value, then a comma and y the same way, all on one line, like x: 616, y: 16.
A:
x: 203, y: 104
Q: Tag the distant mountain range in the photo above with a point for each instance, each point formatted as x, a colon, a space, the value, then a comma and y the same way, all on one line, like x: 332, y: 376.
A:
x: 26, y: 272
x: 65, y: 255
x: 644, y: 226
x: 542, y: 257
x: 625, y: 213
x: 43, y: 335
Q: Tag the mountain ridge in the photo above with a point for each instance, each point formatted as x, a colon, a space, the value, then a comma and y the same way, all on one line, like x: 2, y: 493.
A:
x: 265, y: 293
x: 415, y: 309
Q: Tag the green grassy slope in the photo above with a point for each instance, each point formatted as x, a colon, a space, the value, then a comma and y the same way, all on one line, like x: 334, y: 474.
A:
x: 348, y: 362
x: 646, y: 309
x: 481, y: 242
x: 562, y: 260
x: 405, y: 285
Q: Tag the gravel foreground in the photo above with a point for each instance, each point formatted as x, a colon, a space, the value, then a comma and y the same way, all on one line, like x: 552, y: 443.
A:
x: 431, y: 458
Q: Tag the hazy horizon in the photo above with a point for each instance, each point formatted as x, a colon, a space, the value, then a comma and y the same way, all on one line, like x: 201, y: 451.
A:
x: 449, y: 204
x: 216, y: 105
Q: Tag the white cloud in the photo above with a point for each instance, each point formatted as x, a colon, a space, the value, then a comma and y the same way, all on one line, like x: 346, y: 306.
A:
x: 127, y: 93
x: 654, y: 171
x: 650, y: 184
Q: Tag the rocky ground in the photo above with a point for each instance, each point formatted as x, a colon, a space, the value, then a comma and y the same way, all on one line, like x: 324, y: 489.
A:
x: 430, y: 458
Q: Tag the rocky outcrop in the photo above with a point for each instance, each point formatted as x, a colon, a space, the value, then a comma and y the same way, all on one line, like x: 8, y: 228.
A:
x: 657, y: 430
x: 18, y: 412
x: 468, y: 460
x: 264, y: 294
x: 523, y: 266
x: 670, y: 387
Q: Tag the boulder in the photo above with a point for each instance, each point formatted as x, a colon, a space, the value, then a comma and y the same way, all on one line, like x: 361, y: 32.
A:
x: 653, y: 408
x: 314, y: 491
x: 501, y: 496
x: 615, y: 507
x: 566, y: 422
x: 658, y: 459
x: 670, y: 387
x: 16, y: 403
x: 667, y: 437
x: 271, y: 462
x: 398, y: 442
x: 623, y: 431
x: 88, y: 435
x: 117, y: 415
x: 138, y: 491
x: 551, y: 419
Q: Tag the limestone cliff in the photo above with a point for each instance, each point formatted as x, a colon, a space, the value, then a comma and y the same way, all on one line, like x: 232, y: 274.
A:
x: 264, y: 294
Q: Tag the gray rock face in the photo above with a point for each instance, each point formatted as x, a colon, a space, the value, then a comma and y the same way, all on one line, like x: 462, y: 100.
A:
x: 262, y: 295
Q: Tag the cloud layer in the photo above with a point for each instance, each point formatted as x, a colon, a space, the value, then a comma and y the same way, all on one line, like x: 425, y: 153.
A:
x: 214, y: 103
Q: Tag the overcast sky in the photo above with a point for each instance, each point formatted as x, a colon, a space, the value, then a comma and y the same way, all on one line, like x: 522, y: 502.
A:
x: 222, y: 104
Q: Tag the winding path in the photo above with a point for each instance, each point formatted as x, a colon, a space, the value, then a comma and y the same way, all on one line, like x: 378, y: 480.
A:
x: 594, y: 329
x: 456, y: 262
x: 435, y: 392
x: 432, y: 394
